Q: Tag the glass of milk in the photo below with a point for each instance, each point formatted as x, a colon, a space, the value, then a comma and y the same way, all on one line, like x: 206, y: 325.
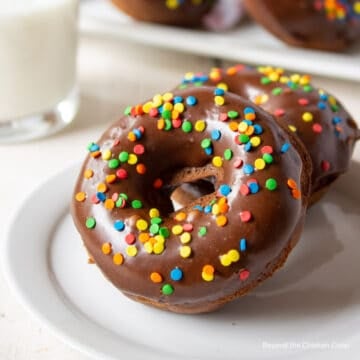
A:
x: 38, y: 40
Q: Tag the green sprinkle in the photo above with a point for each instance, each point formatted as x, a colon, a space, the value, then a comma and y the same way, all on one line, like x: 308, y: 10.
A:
x: 182, y: 86
x: 124, y: 156
x: 119, y: 202
x: 186, y: 126
x: 198, y: 83
x: 293, y: 86
x: 90, y: 222
x: 265, y: 80
x: 167, y: 289
x: 127, y: 111
x: 202, y: 231
x: 228, y: 154
x: 268, y: 158
x: 243, y: 138
x: 205, y: 143
x: 271, y: 184
x: 113, y: 163
x: 164, y: 231
x: 277, y: 91
x: 156, y: 220
x: 166, y: 114
x: 168, y: 125
x: 308, y: 88
x: 124, y: 196
x: 334, y: 107
x: 232, y: 114
x: 136, y: 204
x: 154, y: 229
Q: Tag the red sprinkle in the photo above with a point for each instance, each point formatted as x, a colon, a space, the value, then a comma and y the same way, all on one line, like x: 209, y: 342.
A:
x: 176, y: 123
x: 244, y: 274
x: 279, y: 112
x: 303, y: 101
x: 325, y: 165
x: 238, y: 163
x: 188, y: 227
x: 116, y: 142
x: 122, y: 174
x: 244, y: 190
x: 130, y: 238
x: 317, y: 128
x: 223, y: 117
x: 245, y: 216
x: 158, y: 183
x: 94, y: 199
x: 267, y: 149
x: 153, y: 112
x: 139, y: 149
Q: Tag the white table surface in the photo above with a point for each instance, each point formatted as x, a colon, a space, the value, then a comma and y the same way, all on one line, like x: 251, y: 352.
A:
x: 111, y: 76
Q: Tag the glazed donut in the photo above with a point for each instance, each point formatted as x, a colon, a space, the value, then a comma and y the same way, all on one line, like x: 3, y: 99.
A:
x: 171, y: 12
x: 221, y: 245
x: 316, y: 117
x: 320, y: 24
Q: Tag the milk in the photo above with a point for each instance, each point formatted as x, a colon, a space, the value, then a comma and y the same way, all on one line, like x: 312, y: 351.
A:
x: 37, y: 55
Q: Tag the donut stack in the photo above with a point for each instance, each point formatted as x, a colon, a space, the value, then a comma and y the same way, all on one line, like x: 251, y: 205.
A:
x: 196, y: 196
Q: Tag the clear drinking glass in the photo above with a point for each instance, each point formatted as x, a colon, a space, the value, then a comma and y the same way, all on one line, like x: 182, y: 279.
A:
x: 38, y: 42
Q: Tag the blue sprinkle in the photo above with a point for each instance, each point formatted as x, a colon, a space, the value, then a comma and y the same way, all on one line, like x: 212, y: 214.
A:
x: 248, y: 146
x: 249, y: 110
x: 207, y: 209
x: 176, y: 274
x: 321, y: 105
x: 137, y: 133
x: 249, y: 122
x: 323, y: 97
x: 198, y: 207
x: 254, y: 187
x: 202, y: 78
x: 209, y: 150
x: 94, y: 147
x: 101, y: 196
x: 161, y: 108
x: 242, y: 244
x: 258, y: 129
x: 225, y: 189
x: 336, y: 120
x: 248, y: 169
x: 191, y: 100
x: 219, y: 92
x: 178, y: 99
x: 216, y: 134
x: 119, y: 225
x: 285, y: 147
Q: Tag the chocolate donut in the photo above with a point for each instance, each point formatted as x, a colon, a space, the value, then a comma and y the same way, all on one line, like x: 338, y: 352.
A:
x: 171, y: 12
x: 221, y: 245
x: 320, y: 24
x: 316, y: 117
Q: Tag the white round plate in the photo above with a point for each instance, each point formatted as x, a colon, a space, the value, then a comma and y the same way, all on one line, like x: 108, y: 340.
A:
x: 310, y: 308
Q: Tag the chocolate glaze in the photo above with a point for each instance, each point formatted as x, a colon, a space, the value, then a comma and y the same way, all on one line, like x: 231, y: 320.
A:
x: 186, y: 14
x: 308, y: 23
x: 330, y: 149
x: 177, y: 157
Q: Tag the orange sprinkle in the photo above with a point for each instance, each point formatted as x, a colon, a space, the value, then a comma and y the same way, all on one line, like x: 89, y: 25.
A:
x: 161, y: 124
x: 158, y: 183
x: 221, y: 220
x: 175, y: 115
x: 141, y: 169
x: 291, y: 183
x: 88, y: 173
x: 231, y: 70
x: 233, y: 125
x: 80, y: 196
x: 95, y: 154
x: 296, y: 193
x: 180, y: 216
x: 118, y: 259
x: 110, y: 178
x: 131, y: 136
x: 102, y: 188
x: 106, y: 248
x: 156, y: 277
x: 250, y: 116
x: 223, y: 208
x: 208, y: 269
x: 144, y: 237
x: 109, y: 204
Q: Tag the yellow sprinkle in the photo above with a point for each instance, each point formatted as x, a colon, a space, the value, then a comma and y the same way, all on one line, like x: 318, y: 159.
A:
x: 141, y: 224
x: 179, y: 107
x: 307, y: 117
x: 225, y: 260
x: 189, y: 76
x: 259, y: 164
x: 217, y: 161
x: 175, y: 115
x: 131, y: 136
x: 159, y: 239
x: 215, y: 210
x: 147, y: 107
x: 185, y: 238
x: 133, y: 159
x: 168, y: 97
x: 106, y: 248
x: 274, y: 76
x: 172, y: 4
x: 222, y: 86
x: 284, y: 79
x: 154, y: 213
x: 295, y: 78
x: 131, y: 250
x: 157, y: 100
x: 200, y: 125
x: 292, y: 128
x: 250, y: 130
x: 242, y: 127
x: 207, y: 277
x: 118, y: 259
x: 177, y: 229
x: 234, y: 255
x: 106, y: 154
x: 158, y: 248
x: 148, y: 247
x: 255, y: 141
x: 168, y: 106
x: 109, y: 204
x: 305, y: 80
x: 101, y: 188
x: 88, y: 174
x: 185, y: 251
x: 80, y: 196
x: 332, y: 100
x: 160, y: 124
x: 357, y: 7
x: 261, y: 99
x: 180, y: 216
x: 219, y: 100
